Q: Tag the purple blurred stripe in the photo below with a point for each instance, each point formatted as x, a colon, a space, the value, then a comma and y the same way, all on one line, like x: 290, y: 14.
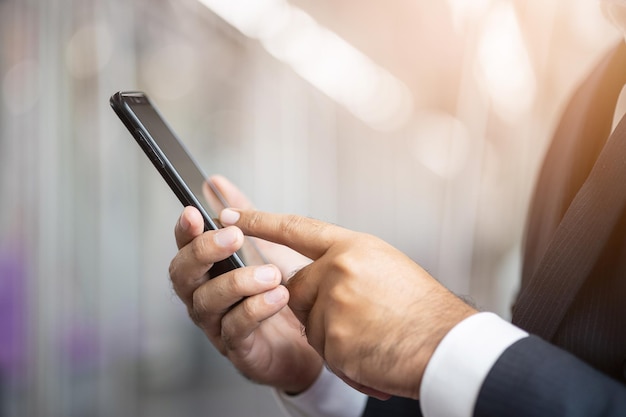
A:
x: 12, y: 309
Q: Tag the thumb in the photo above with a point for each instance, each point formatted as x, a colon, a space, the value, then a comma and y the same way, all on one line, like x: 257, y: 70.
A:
x: 303, y: 288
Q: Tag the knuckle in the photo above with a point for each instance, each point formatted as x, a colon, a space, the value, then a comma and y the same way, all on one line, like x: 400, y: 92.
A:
x: 236, y: 285
x: 346, y: 264
x: 228, y: 335
x: 291, y: 225
x: 176, y: 280
x: 248, y: 309
x: 337, y: 296
x: 199, y: 308
x: 194, y: 315
x: 200, y: 250
x: 349, y: 261
x: 227, y: 339
x: 172, y: 272
x: 254, y: 220
x: 291, y: 222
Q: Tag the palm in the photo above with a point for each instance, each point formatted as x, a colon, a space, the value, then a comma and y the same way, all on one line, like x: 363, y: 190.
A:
x: 278, y: 348
x: 276, y: 352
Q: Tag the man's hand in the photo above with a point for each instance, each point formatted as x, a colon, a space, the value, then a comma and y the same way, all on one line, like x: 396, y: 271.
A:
x: 244, y: 312
x: 372, y: 313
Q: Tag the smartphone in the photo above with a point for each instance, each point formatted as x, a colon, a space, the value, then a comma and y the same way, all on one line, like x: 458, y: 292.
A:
x: 177, y: 167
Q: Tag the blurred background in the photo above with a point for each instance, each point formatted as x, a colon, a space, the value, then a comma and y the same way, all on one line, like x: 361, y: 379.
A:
x: 422, y: 122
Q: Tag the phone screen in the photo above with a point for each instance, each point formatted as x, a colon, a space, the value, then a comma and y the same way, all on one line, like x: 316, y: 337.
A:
x: 186, y: 168
x: 177, y: 167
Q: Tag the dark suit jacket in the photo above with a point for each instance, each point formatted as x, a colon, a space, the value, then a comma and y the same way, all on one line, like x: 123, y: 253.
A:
x: 573, y: 294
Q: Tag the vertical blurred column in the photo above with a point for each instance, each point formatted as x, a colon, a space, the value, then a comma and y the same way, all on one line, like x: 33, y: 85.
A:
x: 19, y: 93
x: 47, y: 291
x: 117, y: 270
x: 484, y: 208
x: 61, y: 211
x: 459, y: 203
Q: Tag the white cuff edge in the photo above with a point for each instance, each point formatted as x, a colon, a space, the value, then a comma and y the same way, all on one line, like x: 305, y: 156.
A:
x: 458, y: 367
x: 329, y: 396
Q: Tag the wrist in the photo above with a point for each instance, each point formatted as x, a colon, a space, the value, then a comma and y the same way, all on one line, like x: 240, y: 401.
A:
x: 444, y: 323
x: 305, y: 377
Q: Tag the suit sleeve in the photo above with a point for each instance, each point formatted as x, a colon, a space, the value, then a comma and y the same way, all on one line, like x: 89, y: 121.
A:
x: 487, y: 367
x: 535, y: 378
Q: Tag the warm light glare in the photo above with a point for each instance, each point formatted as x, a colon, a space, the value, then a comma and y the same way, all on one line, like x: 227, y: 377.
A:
x: 590, y: 17
x: 504, y: 66
x: 441, y: 143
x: 465, y: 10
x: 322, y: 58
x: 250, y: 17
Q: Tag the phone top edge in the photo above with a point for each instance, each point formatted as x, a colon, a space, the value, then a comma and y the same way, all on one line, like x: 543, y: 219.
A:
x: 123, y: 97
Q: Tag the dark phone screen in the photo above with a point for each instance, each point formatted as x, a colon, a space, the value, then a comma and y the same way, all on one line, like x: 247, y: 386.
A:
x: 179, y: 158
x: 192, y: 180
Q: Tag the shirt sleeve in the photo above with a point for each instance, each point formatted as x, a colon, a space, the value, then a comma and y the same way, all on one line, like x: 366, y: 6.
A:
x: 329, y: 396
x: 461, y: 362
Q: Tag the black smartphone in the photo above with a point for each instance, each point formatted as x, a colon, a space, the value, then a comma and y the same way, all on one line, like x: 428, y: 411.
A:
x: 173, y: 161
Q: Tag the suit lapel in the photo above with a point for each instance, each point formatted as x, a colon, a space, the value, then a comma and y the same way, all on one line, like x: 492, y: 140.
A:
x: 579, y: 219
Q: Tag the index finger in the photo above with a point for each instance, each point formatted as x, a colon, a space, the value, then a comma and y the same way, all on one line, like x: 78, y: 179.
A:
x: 310, y: 237
x: 230, y: 193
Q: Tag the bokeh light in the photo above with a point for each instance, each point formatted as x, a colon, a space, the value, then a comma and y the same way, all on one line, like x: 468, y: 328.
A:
x: 503, y: 64
x: 89, y: 50
x: 20, y: 87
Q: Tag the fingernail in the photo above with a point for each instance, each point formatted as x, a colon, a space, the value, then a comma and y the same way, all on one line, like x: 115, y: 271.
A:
x: 275, y: 296
x: 226, y: 237
x: 228, y: 216
x: 265, y: 274
x: 184, y: 223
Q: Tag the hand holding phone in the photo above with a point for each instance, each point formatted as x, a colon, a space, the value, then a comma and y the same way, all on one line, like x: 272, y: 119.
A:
x: 267, y: 346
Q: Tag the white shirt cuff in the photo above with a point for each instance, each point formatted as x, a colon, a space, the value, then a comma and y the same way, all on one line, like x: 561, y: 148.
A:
x: 461, y: 362
x: 329, y: 396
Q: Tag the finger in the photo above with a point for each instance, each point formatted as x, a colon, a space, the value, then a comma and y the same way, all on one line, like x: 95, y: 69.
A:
x: 214, y: 298
x: 310, y: 237
x: 283, y: 257
x: 248, y: 315
x: 230, y: 193
x: 312, y: 313
x: 190, y: 224
x: 303, y: 289
x: 286, y: 259
x: 189, y: 267
x: 221, y: 193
